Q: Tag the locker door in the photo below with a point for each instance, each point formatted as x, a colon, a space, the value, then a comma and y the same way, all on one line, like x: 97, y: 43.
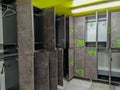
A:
x: 71, y: 32
x: 2, y: 76
x: 61, y: 32
x: 115, y: 30
x: 115, y: 67
x: 79, y: 62
x: 71, y: 63
x: 91, y: 63
x: 79, y: 26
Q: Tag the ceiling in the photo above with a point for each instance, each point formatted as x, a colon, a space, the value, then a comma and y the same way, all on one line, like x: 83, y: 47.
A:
x: 65, y: 6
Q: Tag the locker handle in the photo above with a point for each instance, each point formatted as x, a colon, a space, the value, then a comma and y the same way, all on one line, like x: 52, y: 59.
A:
x: 3, y: 68
x: 111, y: 58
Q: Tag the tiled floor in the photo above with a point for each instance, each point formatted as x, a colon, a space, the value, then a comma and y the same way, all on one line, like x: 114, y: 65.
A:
x: 77, y: 84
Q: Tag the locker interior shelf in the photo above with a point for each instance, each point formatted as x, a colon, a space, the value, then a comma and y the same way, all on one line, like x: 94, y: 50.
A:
x: 105, y: 71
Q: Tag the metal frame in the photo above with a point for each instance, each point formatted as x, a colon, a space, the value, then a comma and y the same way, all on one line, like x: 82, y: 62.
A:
x: 97, y: 38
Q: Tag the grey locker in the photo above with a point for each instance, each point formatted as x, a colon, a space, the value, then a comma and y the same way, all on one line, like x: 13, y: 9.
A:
x: 71, y: 32
x: 103, y: 63
x: 10, y: 29
x: 91, y: 63
x: 79, y: 27
x: 25, y: 32
x: 11, y: 73
x: 115, y: 30
x: 60, y: 67
x: 26, y: 72
x: 53, y: 70
x: 71, y: 63
x: 49, y: 29
x: 2, y: 76
x: 80, y: 62
x: 115, y: 66
x: 38, y: 28
x: 41, y: 70
x: 61, y: 32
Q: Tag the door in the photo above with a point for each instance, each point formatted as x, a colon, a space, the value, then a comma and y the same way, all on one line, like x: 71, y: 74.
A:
x: 2, y: 76
x: 115, y: 67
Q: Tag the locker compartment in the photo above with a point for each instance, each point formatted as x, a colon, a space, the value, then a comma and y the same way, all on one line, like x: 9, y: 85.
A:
x: 71, y: 63
x: 115, y: 30
x: 53, y: 70
x: 91, y: 63
x: 41, y: 70
x: 79, y: 27
x: 60, y: 67
x: 103, y: 63
x: 61, y: 32
x: 9, y: 75
x: 49, y: 29
x: 38, y: 28
x: 80, y: 62
x: 66, y: 63
x: 91, y: 27
x: 2, y: 76
x: 8, y: 29
x: 70, y: 32
x: 115, y: 67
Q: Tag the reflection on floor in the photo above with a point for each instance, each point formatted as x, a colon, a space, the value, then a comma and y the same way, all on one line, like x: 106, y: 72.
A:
x: 77, y: 84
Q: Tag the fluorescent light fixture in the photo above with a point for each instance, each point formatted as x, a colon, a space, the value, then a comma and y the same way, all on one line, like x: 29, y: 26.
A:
x: 97, y: 7
x: 81, y: 2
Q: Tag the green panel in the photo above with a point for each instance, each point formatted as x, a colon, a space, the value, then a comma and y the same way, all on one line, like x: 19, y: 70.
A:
x: 80, y: 72
x: 92, y: 52
x: 80, y: 43
x: 72, y: 32
x: 72, y: 62
x: 118, y: 43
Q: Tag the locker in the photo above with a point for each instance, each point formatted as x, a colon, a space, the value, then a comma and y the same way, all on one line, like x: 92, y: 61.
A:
x: 103, y: 63
x: 49, y: 29
x: 71, y: 63
x: 26, y: 72
x: 91, y: 63
x: 115, y: 30
x: 80, y: 62
x: 9, y: 76
x: 53, y: 70
x: 2, y: 76
x: 8, y: 29
x: 41, y: 70
x: 25, y: 32
x: 60, y: 67
x: 11, y: 73
x: 61, y: 32
x: 71, y: 32
x: 115, y: 66
x: 79, y: 27
x: 38, y: 28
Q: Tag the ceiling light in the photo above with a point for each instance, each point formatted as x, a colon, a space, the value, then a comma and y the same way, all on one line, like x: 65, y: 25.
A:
x: 81, y: 2
x: 96, y: 7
